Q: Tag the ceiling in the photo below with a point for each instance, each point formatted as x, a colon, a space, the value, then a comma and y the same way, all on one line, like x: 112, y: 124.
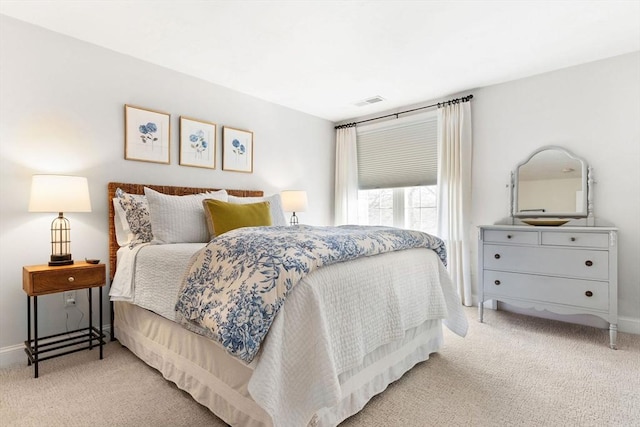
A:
x: 323, y: 57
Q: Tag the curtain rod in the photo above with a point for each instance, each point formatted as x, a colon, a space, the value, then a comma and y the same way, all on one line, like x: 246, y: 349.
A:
x: 439, y: 104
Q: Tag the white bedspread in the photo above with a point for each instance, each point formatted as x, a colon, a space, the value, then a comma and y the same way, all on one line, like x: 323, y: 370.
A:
x: 332, y: 319
x: 337, y: 315
x: 149, y: 276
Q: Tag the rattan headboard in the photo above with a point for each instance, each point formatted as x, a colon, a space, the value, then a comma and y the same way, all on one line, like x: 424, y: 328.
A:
x: 166, y: 189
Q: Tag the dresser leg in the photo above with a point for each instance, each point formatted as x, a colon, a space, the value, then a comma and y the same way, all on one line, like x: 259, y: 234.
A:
x: 613, y: 335
x: 480, y: 311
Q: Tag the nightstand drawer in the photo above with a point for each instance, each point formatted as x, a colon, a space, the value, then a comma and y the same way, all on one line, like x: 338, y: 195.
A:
x: 39, y: 281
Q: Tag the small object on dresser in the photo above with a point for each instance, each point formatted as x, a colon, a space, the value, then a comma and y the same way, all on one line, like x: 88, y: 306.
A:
x: 92, y: 261
x: 547, y: 222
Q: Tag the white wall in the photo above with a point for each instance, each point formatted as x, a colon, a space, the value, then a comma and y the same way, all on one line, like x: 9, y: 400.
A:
x: 593, y: 110
x: 62, y: 111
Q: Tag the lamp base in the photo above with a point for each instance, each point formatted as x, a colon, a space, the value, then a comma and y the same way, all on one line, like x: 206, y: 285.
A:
x: 293, y: 220
x: 58, y: 260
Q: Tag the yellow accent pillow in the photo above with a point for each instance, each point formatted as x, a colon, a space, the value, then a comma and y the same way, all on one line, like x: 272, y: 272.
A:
x: 223, y: 216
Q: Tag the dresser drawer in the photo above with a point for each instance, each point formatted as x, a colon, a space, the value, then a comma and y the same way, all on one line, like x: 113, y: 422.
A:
x: 585, y: 240
x: 578, y: 263
x: 511, y: 236
x: 546, y: 289
x: 39, y: 282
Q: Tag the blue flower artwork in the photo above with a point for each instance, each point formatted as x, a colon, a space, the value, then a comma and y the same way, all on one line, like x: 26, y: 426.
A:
x: 147, y: 132
x: 198, y: 143
x: 237, y: 150
x: 147, y: 135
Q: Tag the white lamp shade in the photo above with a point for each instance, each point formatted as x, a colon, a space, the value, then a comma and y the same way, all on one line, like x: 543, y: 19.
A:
x: 59, y: 193
x: 294, y: 200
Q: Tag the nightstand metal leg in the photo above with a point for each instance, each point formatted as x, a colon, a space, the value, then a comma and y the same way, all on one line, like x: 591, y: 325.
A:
x: 35, y: 335
x: 90, y: 290
x: 100, y: 311
x: 28, y: 327
x: 111, y: 316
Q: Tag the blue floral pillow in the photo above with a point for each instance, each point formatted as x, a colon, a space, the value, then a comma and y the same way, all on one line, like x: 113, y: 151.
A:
x: 136, y: 209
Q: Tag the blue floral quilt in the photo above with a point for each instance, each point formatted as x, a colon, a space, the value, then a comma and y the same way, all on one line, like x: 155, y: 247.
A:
x: 239, y: 281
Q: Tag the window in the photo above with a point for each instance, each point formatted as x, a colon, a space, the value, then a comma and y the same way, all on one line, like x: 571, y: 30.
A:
x: 420, y: 208
x: 409, y: 207
x: 397, y: 173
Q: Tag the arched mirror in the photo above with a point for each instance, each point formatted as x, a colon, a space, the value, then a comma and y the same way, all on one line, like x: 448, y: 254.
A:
x: 552, y: 182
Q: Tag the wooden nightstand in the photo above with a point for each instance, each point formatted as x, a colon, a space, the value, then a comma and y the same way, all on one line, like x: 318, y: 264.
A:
x: 43, y: 279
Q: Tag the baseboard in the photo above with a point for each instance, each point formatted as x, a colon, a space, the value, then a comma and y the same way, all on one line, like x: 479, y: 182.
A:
x: 629, y: 325
x: 14, y: 354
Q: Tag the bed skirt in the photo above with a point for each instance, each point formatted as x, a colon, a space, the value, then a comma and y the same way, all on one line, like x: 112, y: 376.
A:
x: 202, y: 368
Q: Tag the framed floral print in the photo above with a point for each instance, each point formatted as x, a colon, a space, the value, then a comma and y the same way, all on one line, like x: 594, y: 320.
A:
x: 197, y: 143
x: 146, y: 135
x: 237, y: 150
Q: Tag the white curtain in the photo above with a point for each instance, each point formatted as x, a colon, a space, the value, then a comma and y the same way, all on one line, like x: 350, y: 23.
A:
x: 454, y: 192
x: 346, y: 204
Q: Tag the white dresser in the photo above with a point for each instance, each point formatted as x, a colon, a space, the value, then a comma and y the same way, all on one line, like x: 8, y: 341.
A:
x: 565, y: 270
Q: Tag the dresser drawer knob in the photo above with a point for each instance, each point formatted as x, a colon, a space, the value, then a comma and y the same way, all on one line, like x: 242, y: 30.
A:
x: 509, y: 236
x: 497, y: 282
x: 573, y: 239
x: 497, y: 256
x: 588, y: 263
x: 589, y: 293
x: 71, y: 279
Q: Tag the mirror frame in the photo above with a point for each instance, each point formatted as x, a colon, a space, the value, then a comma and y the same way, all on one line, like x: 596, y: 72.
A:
x: 587, y: 180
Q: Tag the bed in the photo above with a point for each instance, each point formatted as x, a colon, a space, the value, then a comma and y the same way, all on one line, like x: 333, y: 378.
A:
x: 311, y: 369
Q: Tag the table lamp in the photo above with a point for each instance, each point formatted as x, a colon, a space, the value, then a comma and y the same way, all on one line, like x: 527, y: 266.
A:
x: 59, y: 193
x: 294, y: 201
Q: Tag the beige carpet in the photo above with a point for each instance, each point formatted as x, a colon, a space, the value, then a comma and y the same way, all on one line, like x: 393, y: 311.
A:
x: 512, y: 370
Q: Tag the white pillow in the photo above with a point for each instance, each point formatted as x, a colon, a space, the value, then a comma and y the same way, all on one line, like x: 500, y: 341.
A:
x: 277, y: 213
x: 179, y: 219
x: 123, y: 232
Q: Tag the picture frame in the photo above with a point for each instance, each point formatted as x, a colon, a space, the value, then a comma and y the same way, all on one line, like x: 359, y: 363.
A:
x: 197, y: 143
x: 237, y: 150
x: 147, y: 135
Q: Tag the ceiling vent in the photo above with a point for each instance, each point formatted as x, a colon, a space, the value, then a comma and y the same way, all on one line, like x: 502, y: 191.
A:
x: 369, y: 101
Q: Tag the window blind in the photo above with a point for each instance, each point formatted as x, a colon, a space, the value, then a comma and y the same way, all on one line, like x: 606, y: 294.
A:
x: 398, y: 153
